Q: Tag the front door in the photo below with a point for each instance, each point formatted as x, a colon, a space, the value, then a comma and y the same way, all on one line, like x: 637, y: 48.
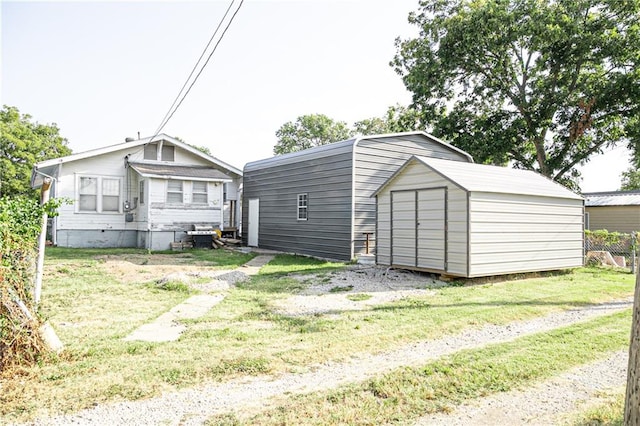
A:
x: 254, y: 222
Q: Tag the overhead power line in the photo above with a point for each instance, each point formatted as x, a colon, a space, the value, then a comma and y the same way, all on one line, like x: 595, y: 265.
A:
x: 182, y: 94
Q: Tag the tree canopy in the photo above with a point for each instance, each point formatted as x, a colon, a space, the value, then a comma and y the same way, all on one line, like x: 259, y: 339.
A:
x: 23, y: 143
x: 544, y: 84
x: 309, y: 131
x: 397, y: 119
x: 630, y: 180
x: 318, y: 129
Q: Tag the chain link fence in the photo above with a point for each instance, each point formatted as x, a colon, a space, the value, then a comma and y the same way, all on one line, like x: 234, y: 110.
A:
x: 621, y: 247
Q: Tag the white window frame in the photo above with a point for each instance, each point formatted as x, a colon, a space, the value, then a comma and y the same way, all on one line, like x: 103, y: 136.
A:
x: 200, y: 193
x: 303, y: 206
x: 173, y: 191
x: 98, y: 194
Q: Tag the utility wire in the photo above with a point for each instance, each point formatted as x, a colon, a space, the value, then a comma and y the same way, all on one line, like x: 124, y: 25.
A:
x: 177, y: 103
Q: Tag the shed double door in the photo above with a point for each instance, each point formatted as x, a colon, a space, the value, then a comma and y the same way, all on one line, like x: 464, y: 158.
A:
x: 418, y: 228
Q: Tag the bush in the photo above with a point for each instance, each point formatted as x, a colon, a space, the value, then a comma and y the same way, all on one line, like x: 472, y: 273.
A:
x: 20, y: 224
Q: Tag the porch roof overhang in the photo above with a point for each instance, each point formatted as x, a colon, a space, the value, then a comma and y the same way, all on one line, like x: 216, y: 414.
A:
x: 181, y: 172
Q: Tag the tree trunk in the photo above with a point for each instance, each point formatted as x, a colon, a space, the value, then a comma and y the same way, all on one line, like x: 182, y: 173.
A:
x: 632, y: 400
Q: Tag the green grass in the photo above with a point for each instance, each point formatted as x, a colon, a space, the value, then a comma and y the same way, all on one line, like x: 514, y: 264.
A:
x: 91, y: 310
x: 405, y: 394
x: 609, y: 412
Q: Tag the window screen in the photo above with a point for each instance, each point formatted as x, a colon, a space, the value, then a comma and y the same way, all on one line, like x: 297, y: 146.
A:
x: 174, y: 191
x: 88, y: 194
x: 151, y: 151
x: 168, y: 152
x: 199, y: 192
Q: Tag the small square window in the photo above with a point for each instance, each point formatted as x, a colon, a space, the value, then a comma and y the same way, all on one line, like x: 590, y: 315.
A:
x: 168, y: 153
x: 151, y: 151
x: 303, y: 204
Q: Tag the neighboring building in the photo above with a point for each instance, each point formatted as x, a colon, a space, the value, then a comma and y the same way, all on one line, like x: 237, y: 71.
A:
x: 617, y: 211
x: 318, y: 201
x: 474, y: 220
x: 140, y: 193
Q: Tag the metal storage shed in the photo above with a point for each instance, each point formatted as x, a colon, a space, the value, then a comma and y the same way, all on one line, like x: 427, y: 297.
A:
x: 318, y: 201
x: 473, y: 220
x: 614, y: 211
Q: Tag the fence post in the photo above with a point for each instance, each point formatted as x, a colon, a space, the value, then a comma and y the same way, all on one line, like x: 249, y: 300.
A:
x: 633, y: 253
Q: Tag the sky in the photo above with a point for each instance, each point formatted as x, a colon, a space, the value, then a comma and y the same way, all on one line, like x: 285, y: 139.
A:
x: 104, y: 71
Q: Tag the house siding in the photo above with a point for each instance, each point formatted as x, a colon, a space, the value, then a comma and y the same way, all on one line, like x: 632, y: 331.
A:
x: 624, y: 219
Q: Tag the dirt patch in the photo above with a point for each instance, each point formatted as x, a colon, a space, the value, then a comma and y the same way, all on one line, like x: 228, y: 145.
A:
x: 355, y: 288
x: 142, y: 268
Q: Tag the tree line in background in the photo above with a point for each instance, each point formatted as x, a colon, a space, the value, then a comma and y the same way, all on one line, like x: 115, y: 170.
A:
x: 539, y: 84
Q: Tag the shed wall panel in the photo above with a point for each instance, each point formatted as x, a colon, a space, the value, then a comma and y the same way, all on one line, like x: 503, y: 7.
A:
x: 512, y: 233
x: 624, y: 219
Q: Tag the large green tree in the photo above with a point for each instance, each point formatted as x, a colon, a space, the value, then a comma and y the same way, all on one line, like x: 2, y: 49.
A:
x: 23, y: 143
x: 630, y: 180
x: 309, y: 131
x: 397, y: 119
x: 543, y: 83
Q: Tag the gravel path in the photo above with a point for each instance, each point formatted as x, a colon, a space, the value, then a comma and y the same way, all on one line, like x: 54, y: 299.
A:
x: 547, y: 403
x: 193, y: 406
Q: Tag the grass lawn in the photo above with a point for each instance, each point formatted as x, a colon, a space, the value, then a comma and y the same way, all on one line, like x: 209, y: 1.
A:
x: 93, y: 303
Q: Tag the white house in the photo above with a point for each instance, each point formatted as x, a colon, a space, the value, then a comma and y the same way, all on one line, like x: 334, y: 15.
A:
x: 142, y: 193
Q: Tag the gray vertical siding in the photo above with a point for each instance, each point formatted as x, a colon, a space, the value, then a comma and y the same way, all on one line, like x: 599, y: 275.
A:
x: 326, y: 178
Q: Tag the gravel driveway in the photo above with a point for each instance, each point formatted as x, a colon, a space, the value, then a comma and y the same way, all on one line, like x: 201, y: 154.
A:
x: 194, y: 406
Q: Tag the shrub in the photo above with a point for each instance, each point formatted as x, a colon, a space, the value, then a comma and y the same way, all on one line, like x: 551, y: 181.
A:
x: 20, y: 224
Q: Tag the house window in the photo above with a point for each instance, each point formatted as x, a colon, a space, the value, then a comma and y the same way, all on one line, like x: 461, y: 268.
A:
x: 303, y: 204
x: 151, y: 151
x: 88, y: 194
x: 99, y: 194
x: 199, y: 192
x: 141, y: 192
x: 174, y: 191
x: 168, y: 153
x: 110, y: 195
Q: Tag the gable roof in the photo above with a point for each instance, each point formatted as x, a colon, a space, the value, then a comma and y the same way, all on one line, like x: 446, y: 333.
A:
x: 48, y: 167
x: 486, y: 178
x: 323, y: 150
x: 612, y: 198
x: 179, y: 172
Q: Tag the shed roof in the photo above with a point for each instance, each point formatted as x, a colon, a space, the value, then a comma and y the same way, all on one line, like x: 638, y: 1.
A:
x: 180, y: 172
x: 612, y: 198
x: 324, y: 150
x: 486, y: 178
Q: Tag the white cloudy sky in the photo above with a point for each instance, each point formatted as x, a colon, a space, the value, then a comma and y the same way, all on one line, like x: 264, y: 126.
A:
x: 107, y: 70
